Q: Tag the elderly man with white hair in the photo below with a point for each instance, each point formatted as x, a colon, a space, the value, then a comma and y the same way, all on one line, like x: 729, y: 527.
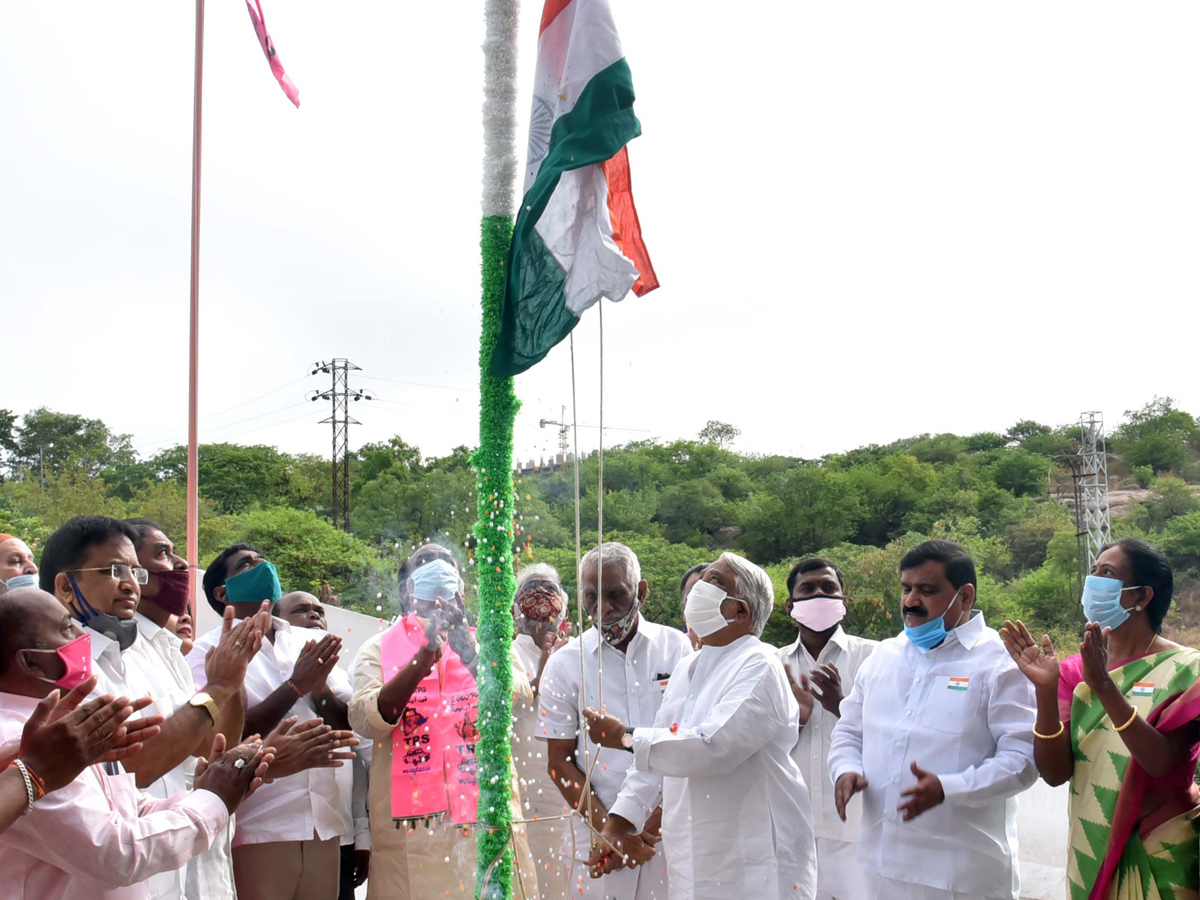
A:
x: 636, y: 657
x: 539, y: 617
x: 736, y: 815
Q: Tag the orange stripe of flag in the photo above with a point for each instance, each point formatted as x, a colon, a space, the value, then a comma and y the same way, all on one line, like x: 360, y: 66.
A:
x: 550, y: 12
x: 627, y: 229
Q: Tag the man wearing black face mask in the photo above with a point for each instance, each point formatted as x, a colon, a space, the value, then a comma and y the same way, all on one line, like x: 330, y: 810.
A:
x: 91, y: 566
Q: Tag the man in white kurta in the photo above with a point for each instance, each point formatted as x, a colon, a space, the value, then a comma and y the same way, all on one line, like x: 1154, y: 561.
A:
x: 737, y: 822
x: 939, y: 740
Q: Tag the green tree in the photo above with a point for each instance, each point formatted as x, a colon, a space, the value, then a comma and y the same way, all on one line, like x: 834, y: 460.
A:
x: 1020, y: 472
x: 813, y: 507
x: 1181, y: 542
x: 63, y: 442
x: 1157, y: 435
x: 720, y: 433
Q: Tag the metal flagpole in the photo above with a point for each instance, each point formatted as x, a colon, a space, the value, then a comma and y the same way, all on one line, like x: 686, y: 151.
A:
x: 193, y: 479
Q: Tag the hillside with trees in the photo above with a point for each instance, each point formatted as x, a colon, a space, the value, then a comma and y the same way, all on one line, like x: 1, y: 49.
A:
x: 1005, y: 495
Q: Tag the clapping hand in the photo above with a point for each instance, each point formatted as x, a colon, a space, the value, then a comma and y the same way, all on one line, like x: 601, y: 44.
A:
x: 233, y: 775
x: 226, y: 663
x: 1094, y: 655
x: 803, y: 693
x: 316, y: 661
x: 64, y: 735
x: 828, y: 680
x: 308, y: 745
x: 1037, y: 661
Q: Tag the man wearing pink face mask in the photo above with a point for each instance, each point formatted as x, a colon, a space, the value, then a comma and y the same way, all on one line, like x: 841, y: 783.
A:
x: 821, y: 666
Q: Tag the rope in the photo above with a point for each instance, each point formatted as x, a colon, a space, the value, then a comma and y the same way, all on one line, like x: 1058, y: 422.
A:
x: 600, y: 524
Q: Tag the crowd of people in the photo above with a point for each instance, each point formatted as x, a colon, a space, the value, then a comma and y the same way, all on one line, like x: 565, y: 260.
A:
x: 140, y: 760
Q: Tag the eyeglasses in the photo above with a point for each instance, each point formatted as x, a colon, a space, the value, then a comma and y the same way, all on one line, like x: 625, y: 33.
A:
x: 120, y: 572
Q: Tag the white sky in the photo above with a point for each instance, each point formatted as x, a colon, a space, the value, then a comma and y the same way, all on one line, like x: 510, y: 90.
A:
x: 870, y: 219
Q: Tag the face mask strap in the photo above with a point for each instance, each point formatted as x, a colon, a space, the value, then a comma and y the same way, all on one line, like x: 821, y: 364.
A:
x: 90, y: 612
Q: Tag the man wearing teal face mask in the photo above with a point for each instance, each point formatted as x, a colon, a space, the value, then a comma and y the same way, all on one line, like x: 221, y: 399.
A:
x: 937, y: 736
x: 288, y: 836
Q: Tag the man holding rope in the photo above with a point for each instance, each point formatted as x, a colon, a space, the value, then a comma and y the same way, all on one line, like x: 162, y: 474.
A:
x: 622, y: 663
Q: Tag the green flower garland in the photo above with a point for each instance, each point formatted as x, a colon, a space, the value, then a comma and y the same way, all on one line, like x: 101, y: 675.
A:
x: 493, y: 463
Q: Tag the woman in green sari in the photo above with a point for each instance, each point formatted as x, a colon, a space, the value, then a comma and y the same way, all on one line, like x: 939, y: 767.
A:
x: 1121, y: 722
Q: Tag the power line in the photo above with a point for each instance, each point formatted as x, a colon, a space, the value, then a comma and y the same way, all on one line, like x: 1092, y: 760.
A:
x: 147, y: 439
x: 440, y: 387
x: 232, y: 424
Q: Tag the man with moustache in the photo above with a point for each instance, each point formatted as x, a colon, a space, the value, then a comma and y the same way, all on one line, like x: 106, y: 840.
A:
x: 937, y: 735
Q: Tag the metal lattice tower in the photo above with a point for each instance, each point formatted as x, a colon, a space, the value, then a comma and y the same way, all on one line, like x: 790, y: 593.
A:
x: 564, y: 435
x: 340, y: 395
x: 1092, y: 513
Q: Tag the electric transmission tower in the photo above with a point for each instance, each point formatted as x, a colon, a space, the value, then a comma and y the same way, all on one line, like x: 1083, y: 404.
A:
x: 339, y: 395
x: 1092, y: 519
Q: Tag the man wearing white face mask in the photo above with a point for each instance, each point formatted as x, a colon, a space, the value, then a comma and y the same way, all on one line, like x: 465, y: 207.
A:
x: 822, y: 665
x: 937, y: 734
x: 736, y: 815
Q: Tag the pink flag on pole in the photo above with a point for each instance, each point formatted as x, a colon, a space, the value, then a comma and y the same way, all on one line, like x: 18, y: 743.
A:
x: 264, y: 39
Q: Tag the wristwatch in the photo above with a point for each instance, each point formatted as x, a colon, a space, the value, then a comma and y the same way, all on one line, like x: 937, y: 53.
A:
x: 203, y: 701
x: 627, y: 739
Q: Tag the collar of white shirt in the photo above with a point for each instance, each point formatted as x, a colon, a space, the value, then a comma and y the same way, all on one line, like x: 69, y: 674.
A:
x: 839, y: 639
x: 967, y: 635
x: 152, y: 632
x: 104, y: 647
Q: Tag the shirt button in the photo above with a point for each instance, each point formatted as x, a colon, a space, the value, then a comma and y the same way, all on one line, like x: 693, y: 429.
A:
x: 897, y: 743
x: 918, y: 678
x: 908, y: 712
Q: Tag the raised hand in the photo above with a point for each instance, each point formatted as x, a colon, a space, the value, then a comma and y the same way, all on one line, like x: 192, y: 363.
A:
x: 925, y: 794
x: 1036, y: 660
x: 847, y: 786
x: 828, y: 680
x: 226, y: 663
x: 235, y: 774
x: 308, y: 745
x: 618, y: 851
x: 64, y: 736
x: 803, y: 693
x: 1094, y: 654
x: 316, y: 661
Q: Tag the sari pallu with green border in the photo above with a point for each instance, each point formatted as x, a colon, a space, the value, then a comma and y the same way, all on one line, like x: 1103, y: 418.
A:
x: 1134, y: 837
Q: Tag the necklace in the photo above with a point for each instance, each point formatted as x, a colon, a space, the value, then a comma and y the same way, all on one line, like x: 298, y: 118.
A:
x: 1153, y: 638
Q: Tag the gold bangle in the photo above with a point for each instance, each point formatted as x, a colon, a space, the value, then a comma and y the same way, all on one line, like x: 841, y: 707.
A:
x: 1049, y: 737
x: 1119, y: 728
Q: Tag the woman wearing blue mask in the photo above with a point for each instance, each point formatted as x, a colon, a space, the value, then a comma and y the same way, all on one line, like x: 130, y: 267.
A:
x: 1121, y: 722
x: 17, y: 568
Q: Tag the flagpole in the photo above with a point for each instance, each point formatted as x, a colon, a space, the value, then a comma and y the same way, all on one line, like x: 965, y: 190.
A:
x: 193, y: 479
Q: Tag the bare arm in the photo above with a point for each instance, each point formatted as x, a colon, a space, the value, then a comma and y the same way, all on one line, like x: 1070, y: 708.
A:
x: 261, y: 718
x: 395, y: 693
x: 569, y: 778
x: 178, y: 738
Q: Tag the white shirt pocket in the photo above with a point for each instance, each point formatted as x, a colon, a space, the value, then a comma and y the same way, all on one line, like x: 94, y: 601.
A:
x: 952, y: 703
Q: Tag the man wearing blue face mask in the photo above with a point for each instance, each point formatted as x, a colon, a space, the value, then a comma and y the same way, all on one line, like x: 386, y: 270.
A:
x: 937, y: 736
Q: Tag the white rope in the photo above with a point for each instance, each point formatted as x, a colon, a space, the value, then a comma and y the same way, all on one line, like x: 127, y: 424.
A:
x: 600, y: 523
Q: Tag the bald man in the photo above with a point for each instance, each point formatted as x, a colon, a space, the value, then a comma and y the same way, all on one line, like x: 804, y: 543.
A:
x: 301, y: 609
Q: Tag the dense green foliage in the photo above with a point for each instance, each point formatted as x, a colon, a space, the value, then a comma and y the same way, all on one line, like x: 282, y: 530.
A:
x: 1002, y: 494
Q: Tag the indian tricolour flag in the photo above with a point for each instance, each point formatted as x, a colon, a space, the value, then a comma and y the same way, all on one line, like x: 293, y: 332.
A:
x: 959, y: 684
x: 577, y: 237
x: 1143, y: 689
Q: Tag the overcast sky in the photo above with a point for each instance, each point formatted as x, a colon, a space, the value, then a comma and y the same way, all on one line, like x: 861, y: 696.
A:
x: 870, y: 219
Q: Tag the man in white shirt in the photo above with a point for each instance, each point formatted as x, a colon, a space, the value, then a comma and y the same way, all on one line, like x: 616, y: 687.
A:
x: 90, y: 563
x: 301, y: 609
x: 825, y: 655
x: 637, y: 658
x: 288, y: 834
x: 97, y: 836
x: 736, y: 817
x: 937, y: 734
